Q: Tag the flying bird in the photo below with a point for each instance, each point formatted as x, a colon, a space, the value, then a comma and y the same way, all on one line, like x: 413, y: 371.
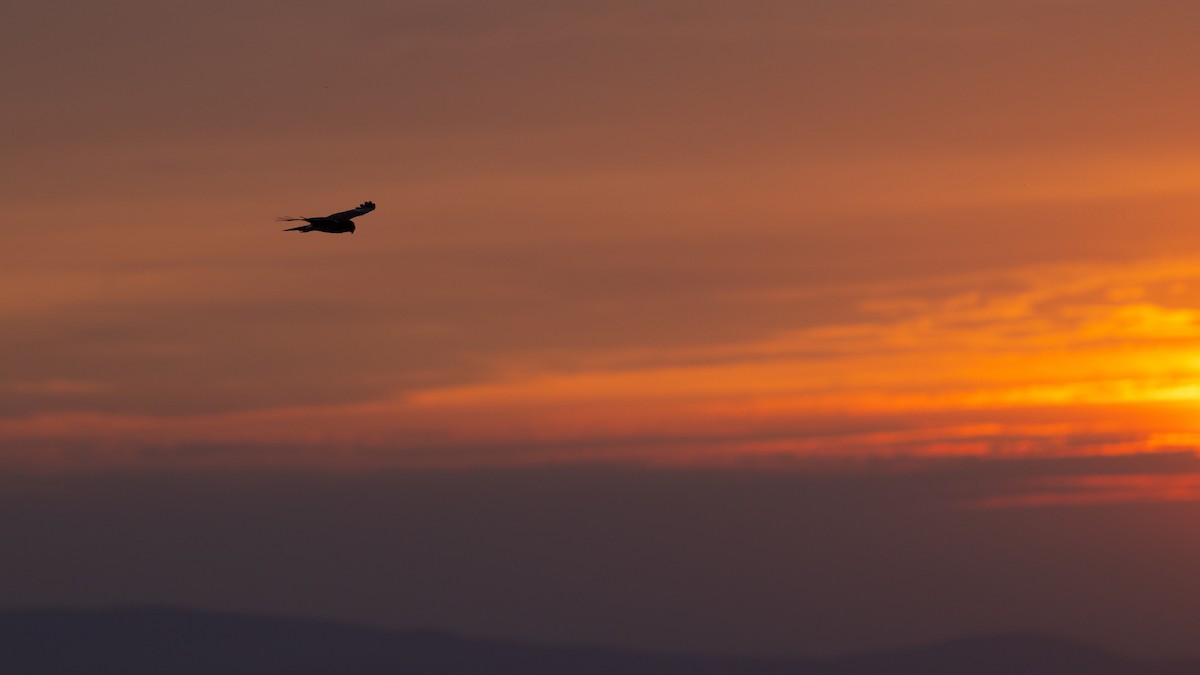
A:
x: 334, y: 224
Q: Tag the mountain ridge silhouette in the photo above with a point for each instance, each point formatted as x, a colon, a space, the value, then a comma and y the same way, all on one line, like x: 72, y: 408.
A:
x: 146, y: 640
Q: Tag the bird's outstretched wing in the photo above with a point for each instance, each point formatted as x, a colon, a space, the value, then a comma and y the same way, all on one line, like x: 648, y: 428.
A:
x: 365, y: 207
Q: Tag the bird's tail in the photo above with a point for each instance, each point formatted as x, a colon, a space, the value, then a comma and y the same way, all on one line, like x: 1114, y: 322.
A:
x: 289, y: 218
x: 302, y: 228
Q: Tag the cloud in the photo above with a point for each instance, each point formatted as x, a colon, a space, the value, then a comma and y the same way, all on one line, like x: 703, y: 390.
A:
x: 999, y: 364
x: 1094, y: 490
x: 614, y: 227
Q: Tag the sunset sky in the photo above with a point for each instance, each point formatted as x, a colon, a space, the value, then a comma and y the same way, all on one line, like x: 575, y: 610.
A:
x: 686, y: 288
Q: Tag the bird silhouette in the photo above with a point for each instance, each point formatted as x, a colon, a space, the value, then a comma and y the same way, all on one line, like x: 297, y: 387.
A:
x: 336, y: 223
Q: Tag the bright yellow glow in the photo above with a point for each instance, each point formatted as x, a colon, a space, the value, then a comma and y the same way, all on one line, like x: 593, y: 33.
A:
x: 1072, y: 359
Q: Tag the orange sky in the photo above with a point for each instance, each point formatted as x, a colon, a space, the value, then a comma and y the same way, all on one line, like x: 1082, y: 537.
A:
x: 656, y: 232
x: 774, y: 326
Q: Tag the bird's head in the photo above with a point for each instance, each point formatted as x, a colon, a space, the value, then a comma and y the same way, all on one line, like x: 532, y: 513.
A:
x: 351, y: 228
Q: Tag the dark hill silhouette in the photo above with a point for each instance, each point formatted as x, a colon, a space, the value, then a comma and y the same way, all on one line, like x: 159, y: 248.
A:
x: 153, y: 641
